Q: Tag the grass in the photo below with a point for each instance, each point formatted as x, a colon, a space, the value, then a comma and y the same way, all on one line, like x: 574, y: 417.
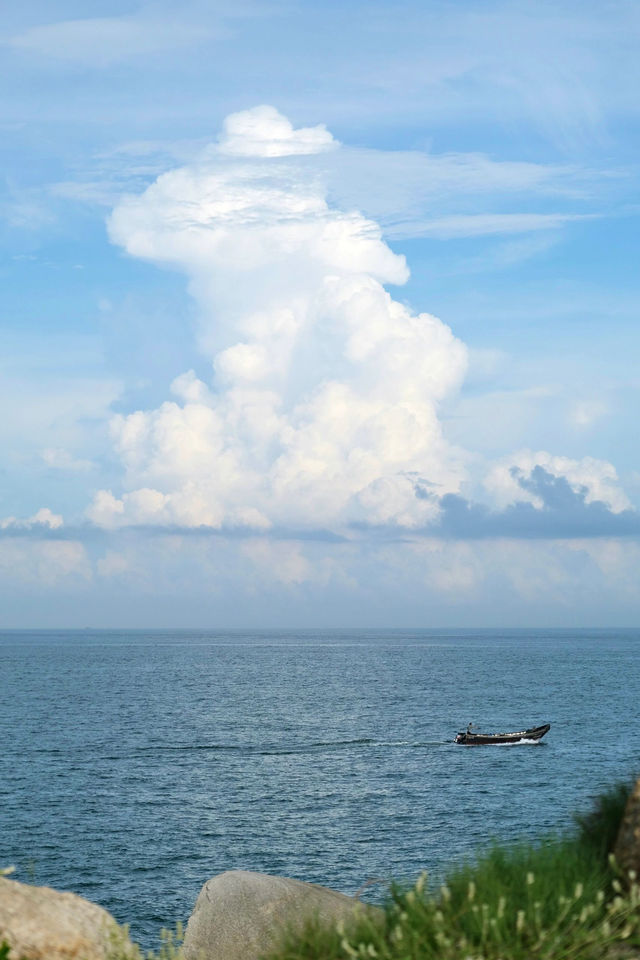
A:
x: 121, y: 947
x: 561, y: 899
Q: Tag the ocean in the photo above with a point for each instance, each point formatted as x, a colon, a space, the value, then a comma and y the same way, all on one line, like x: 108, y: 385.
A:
x: 134, y: 765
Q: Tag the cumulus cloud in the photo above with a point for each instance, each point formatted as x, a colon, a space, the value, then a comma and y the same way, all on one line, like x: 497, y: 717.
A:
x: 42, y: 521
x: 320, y: 417
x: 323, y: 403
x: 264, y: 132
x: 595, y: 480
x: 550, y: 508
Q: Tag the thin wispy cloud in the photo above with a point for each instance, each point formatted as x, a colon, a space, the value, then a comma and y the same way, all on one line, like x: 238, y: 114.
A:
x: 99, y: 42
x: 492, y: 224
x: 410, y: 193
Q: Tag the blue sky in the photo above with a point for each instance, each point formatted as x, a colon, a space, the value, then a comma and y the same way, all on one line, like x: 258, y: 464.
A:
x: 319, y: 314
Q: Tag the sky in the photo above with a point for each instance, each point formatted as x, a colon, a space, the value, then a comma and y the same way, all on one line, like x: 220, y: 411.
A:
x: 319, y: 314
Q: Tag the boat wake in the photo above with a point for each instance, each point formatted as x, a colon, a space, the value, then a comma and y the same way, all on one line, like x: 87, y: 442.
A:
x: 519, y: 743
x: 284, y: 749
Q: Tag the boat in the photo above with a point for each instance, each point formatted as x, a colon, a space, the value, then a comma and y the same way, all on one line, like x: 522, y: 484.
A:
x: 530, y: 735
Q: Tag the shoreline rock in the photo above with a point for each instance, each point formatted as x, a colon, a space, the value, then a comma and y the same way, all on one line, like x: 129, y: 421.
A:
x: 240, y: 914
x: 39, y: 923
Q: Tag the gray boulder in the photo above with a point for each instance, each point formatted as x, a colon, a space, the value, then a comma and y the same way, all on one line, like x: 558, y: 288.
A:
x: 43, y: 924
x: 239, y: 915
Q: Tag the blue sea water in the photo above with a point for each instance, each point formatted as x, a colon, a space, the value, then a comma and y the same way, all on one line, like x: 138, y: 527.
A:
x: 135, y: 765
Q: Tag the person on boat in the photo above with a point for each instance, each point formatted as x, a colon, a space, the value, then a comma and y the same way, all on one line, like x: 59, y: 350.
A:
x: 469, y: 725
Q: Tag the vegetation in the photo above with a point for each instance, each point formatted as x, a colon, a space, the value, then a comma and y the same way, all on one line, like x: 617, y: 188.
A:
x: 561, y: 899
x: 598, y: 829
x: 122, y: 949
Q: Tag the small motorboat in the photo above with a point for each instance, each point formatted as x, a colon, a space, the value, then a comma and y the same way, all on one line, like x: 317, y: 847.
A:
x: 531, y: 735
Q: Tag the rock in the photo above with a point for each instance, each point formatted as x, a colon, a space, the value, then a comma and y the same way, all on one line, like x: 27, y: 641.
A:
x: 239, y: 915
x: 39, y: 923
x: 627, y: 848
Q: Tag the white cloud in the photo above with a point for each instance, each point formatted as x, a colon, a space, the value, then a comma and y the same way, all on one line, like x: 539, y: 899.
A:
x: 323, y: 407
x: 105, y: 509
x: 42, y: 518
x: 263, y: 132
x: 322, y: 410
x: 597, y: 477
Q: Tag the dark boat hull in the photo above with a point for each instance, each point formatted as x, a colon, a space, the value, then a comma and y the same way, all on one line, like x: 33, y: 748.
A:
x: 487, y: 739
